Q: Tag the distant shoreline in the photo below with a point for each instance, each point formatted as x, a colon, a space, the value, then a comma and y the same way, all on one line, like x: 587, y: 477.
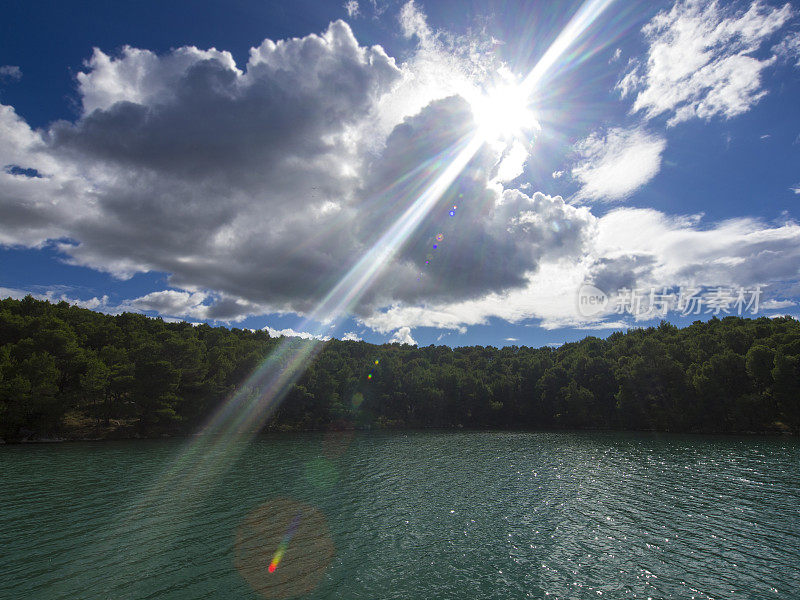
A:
x: 773, y: 433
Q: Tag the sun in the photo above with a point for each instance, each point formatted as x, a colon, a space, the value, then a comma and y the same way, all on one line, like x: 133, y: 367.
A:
x: 503, y: 113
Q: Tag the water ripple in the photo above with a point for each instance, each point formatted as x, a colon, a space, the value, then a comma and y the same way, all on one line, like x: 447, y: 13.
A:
x: 418, y: 515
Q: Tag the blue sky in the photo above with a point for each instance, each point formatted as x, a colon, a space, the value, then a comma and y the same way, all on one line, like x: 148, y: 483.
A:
x: 292, y: 165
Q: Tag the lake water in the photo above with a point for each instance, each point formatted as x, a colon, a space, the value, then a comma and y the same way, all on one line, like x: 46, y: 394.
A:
x: 409, y: 515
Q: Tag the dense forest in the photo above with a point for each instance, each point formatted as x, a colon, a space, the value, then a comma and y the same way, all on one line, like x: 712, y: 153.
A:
x: 70, y: 372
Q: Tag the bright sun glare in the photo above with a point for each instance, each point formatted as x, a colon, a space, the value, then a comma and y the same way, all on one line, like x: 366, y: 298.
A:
x: 503, y: 113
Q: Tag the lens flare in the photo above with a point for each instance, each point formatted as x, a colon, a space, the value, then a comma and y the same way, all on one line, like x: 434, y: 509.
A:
x: 278, y: 556
x: 304, y: 549
x: 577, y: 26
x: 203, y: 460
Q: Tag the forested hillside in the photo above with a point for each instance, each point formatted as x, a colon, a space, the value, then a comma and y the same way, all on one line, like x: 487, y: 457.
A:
x: 67, y: 371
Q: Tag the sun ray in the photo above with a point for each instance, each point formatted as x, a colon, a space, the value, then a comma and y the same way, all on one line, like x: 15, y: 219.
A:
x: 226, y: 435
x: 503, y: 112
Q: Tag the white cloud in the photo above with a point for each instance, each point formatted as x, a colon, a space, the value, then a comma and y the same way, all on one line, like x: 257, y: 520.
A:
x: 777, y: 304
x: 789, y: 48
x: 441, y: 65
x: 700, y: 60
x: 140, y: 76
x: 616, y: 56
x: 178, y: 320
x: 58, y: 295
x: 201, y: 305
x: 10, y: 72
x: 513, y: 163
x: 414, y: 23
x: 403, y: 336
x: 796, y: 190
x: 289, y: 332
x: 351, y: 6
x: 557, y: 174
x: 256, y: 186
x: 351, y: 336
x: 546, y: 297
x: 630, y: 248
x: 645, y: 247
x: 173, y: 303
x: 226, y: 172
x: 616, y: 164
x: 41, y: 195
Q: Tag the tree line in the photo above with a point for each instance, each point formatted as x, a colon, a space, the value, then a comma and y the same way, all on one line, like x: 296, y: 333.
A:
x: 68, y: 371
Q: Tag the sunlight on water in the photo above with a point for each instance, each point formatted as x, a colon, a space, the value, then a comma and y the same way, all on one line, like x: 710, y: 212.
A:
x: 418, y: 515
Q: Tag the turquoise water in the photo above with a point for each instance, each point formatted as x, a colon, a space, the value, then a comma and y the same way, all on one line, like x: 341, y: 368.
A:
x: 410, y: 515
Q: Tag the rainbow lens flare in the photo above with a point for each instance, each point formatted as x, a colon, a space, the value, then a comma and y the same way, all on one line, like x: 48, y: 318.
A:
x: 302, y: 566
x: 278, y: 556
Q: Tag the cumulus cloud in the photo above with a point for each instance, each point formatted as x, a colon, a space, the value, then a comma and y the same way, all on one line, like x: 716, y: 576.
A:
x: 39, y: 195
x: 616, y: 164
x: 183, y: 304
x: 547, y: 296
x: 403, y: 336
x: 234, y: 181
x: 490, y: 242
x: 441, y: 65
x: 140, y: 76
x: 289, y: 332
x: 351, y: 336
x: 256, y: 186
x: 173, y: 303
x: 702, y: 60
x: 681, y: 251
x: 630, y: 248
